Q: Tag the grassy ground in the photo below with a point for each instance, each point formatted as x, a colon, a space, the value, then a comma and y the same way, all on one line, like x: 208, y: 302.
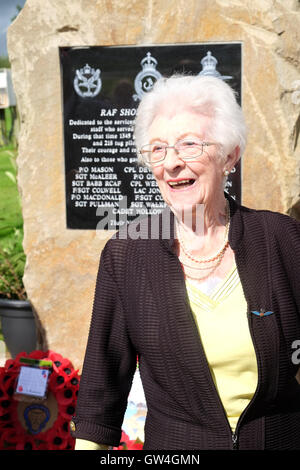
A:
x: 10, y: 204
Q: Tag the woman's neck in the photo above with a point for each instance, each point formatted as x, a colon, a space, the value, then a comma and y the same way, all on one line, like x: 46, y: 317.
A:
x: 203, y: 228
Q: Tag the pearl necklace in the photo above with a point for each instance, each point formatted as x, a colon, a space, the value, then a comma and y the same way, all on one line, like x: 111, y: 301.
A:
x: 201, y: 278
x: 218, y: 257
x: 220, y: 252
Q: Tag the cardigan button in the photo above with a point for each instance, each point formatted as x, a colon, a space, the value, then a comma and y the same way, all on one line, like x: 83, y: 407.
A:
x: 72, y: 426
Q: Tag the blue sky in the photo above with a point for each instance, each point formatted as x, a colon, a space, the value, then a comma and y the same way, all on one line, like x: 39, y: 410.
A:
x: 8, y: 9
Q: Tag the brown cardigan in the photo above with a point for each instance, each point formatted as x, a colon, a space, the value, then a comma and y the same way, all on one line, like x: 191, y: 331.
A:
x: 141, y: 308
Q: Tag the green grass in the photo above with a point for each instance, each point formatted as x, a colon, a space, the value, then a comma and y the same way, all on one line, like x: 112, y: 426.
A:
x: 10, y: 203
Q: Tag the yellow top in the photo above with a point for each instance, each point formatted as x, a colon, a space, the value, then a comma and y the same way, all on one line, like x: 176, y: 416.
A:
x: 221, y: 318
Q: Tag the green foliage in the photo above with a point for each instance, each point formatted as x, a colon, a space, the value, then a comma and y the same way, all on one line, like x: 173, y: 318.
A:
x: 12, y: 257
x: 19, y: 8
x: 9, y: 122
x: 4, y: 62
x: 12, y: 263
x: 10, y: 203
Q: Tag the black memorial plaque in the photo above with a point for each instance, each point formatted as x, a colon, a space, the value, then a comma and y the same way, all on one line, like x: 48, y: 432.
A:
x: 101, y: 89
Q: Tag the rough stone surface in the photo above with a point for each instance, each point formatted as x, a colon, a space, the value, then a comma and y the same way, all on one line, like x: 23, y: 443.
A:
x: 62, y: 264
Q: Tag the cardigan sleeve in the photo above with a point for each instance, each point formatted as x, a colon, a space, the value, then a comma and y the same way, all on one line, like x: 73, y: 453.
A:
x: 109, y: 363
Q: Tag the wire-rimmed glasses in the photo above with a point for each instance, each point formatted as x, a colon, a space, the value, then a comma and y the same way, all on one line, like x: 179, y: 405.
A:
x: 187, y: 149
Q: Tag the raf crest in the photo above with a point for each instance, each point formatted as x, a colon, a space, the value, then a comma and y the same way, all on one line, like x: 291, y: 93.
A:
x: 209, y: 67
x: 145, y: 79
x: 87, y: 82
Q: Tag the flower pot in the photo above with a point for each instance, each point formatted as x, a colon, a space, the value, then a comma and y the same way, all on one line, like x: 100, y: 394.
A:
x: 18, y: 326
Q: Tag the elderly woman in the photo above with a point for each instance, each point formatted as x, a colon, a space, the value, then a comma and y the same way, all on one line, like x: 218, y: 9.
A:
x: 211, y: 310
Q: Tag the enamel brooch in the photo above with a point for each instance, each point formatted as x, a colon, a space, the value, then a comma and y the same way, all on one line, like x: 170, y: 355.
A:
x: 261, y: 313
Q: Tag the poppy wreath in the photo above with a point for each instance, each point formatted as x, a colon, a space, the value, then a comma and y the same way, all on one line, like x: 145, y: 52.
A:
x: 63, y: 384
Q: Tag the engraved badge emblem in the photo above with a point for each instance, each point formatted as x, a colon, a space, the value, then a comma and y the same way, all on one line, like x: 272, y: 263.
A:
x: 36, y: 417
x: 209, y: 67
x: 145, y: 79
x: 87, y: 82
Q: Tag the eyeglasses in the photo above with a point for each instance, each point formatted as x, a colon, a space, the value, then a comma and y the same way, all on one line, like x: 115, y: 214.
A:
x: 187, y: 149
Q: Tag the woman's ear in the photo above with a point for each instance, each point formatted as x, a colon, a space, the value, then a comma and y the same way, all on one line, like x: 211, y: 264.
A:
x: 232, y: 158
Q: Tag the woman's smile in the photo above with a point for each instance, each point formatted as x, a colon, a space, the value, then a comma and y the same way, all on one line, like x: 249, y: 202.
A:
x: 181, y: 184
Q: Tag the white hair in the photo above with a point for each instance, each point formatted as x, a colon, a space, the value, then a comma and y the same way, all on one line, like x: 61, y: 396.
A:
x: 209, y: 96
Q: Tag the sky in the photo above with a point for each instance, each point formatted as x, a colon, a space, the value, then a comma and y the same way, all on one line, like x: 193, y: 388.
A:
x: 8, y: 9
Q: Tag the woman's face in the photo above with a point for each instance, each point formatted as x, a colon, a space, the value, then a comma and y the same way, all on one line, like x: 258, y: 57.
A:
x: 204, y: 174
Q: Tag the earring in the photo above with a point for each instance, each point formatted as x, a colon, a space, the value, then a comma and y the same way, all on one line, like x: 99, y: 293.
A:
x: 226, y: 172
